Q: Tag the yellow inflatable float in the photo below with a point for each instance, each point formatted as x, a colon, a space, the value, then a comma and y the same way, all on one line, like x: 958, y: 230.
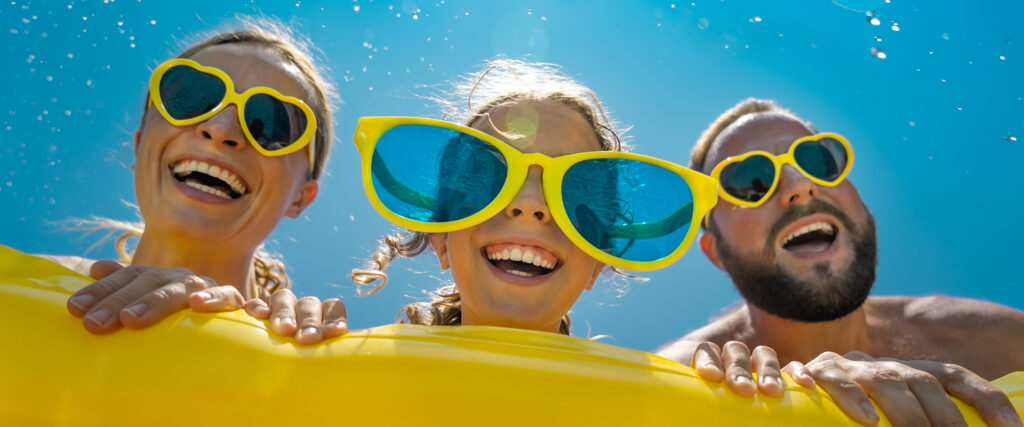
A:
x: 225, y: 369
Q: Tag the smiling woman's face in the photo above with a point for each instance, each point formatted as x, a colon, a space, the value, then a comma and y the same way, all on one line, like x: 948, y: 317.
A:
x: 240, y: 201
x: 496, y: 289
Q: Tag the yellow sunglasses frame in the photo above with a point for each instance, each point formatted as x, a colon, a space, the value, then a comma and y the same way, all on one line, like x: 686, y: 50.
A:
x: 779, y: 161
x: 704, y: 189
x: 239, y: 99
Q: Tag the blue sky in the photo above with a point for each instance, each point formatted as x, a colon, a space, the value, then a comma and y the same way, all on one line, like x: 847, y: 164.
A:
x: 934, y: 123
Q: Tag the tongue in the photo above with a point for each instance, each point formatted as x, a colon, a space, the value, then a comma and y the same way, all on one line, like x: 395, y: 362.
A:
x: 809, y: 248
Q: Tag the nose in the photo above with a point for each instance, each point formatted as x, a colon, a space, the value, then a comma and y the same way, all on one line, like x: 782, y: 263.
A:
x: 795, y: 188
x: 529, y: 203
x: 223, y: 128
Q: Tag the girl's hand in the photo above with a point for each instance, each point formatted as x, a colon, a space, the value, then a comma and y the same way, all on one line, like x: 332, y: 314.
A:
x: 135, y: 297
x: 307, y: 319
x: 736, y: 364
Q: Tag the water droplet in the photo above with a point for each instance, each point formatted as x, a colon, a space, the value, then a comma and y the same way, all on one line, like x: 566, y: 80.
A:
x: 529, y: 11
x: 877, y: 52
x: 30, y: 59
x: 415, y: 17
x: 755, y: 19
x: 355, y: 8
x: 959, y: 108
x: 895, y: 26
x: 780, y: 34
x: 67, y: 112
x: 1002, y: 58
x: 120, y: 23
x: 71, y: 55
x: 945, y: 36
x: 1010, y: 138
x: 49, y: 78
x: 878, y: 39
x: 912, y: 123
x: 703, y: 23
x: 872, y: 17
x: 152, y: 22
x: 543, y: 18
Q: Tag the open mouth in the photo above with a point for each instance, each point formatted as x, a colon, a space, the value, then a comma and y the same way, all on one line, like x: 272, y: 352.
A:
x: 811, y: 239
x: 210, y: 179
x: 521, y: 260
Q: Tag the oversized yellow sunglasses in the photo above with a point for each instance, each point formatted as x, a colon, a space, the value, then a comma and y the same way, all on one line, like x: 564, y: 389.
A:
x: 186, y: 93
x: 623, y: 209
x: 751, y: 178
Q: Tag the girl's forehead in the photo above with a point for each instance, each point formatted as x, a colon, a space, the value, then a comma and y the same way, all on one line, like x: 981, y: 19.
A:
x: 250, y: 65
x: 545, y: 126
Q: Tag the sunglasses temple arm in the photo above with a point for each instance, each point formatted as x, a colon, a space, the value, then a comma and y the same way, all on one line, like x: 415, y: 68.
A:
x: 397, y: 188
x: 650, y: 230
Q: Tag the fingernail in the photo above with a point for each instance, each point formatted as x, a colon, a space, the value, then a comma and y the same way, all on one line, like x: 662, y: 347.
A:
x: 739, y: 379
x: 869, y: 410
x: 338, y: 325
x: 204, y: 295
x: 82, y: 302
x: 99, y: 317
x: 1011, y: 416
x: 769, y: 380
x: 309, y: 331
x: 137, y: 310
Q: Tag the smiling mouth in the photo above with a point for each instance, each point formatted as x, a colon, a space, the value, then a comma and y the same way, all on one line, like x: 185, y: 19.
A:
x: 521, y: 260
x: 811, y: 239
x: 209, y: 179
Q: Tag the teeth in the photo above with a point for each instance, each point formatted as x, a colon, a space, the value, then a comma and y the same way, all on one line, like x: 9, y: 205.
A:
x: 516, y: 255
x: 189, y: 166
x: 207, y: 189
x: 522, y: 255
x: 505, y: 254
x: 807, y: 229
x: 528, y: 257
x: 519, y: 273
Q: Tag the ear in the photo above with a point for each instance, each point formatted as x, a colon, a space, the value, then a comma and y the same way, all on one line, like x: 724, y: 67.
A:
x: 439, y: 241
x: 138, y: 138
x: 303, y: 198
x: 593, y: 277
x: 709, y: 246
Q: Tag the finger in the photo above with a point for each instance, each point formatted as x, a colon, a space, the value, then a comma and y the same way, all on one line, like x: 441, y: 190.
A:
x: 258, y: 308
x: 845, y: 392
x: 937, y: 405
x: 282, y: 305
x: 104, y: 316
x: 309, y: 317
x: 80, y: 302
x: 769, y: 377
x: 707, y: 361
x: 217, y: 299
x: 156, y: 305
x: 103, y: 268
x: 736, y: 359
x: 335, y: 318
x: 889, y: 389
x: 799, y: 373
x: 992, y: 404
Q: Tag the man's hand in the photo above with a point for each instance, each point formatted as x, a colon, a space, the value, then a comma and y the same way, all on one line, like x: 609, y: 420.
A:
x: 911, y: 393
x: 135, y: 297
x: 735, y: 363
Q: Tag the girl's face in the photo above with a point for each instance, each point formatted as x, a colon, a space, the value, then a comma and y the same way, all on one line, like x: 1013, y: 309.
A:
x: 253, y: 191
x: 503, y: 292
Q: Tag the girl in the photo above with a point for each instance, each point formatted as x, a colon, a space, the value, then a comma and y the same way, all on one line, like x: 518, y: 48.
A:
x: 235, y: 133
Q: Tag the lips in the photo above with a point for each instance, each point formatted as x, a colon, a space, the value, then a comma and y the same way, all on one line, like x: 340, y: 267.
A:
x: 209, y: 178
x: 521, y: 260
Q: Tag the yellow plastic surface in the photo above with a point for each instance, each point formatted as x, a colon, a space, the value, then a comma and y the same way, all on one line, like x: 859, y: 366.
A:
x: 225, y: 369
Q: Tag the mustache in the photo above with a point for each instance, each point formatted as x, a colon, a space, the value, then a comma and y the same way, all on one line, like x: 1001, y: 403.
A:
x: 796, y: 212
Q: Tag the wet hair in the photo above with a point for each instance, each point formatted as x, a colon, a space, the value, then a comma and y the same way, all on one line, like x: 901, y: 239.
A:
x: 501, y: 82
x: 268, y: 270
x: 746, y: 107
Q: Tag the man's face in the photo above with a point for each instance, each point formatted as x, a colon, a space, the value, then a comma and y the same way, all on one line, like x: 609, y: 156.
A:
x: 808, y: 253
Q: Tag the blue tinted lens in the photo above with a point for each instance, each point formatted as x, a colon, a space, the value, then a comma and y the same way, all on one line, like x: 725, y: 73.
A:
x: 433, y: 174
x: 187, y: 92
x: 750, y: 179
x: 629, y: 209
x: 273, y: 123
x: 824, y: 159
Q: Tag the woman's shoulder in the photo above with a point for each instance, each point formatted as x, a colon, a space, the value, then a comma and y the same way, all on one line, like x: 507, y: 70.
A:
x: 84, y: 266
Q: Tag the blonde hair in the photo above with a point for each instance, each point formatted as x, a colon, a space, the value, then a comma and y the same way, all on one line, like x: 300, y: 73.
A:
x: 268, y: 270
x: 743, y: 108
x: 501, y: 81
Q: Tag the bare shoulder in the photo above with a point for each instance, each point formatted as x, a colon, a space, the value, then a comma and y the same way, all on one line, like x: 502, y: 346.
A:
x: 77, y: 264
x: 734, y: 325
x: 946, y: 312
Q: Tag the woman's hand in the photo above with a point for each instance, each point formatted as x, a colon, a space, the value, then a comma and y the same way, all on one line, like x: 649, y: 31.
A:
x: 307, y: 319
x: 911, y: 393
x: 135, y: 297
x: 735, y: 363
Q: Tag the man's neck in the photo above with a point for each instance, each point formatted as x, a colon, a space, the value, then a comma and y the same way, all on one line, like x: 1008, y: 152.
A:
x: 803, y: 341
x: 224, y: 265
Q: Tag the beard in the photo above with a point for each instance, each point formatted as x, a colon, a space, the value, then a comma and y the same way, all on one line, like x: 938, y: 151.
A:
x: 763, y: 282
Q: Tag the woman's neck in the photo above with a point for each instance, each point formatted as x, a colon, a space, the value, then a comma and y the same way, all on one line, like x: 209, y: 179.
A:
x: 223, y: 264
